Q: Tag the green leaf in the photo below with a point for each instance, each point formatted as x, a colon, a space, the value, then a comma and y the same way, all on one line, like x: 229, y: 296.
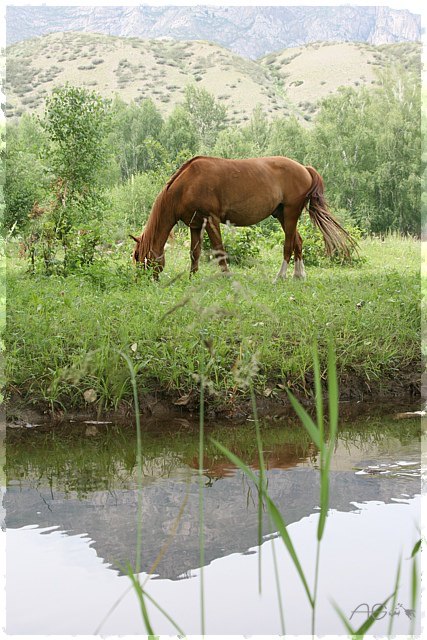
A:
x: 393, y: 604
x: 140, y: 594
x: 361, y: 631
x: 344, y: 620
x: 324, y: 501
x: 306, y: 420
x: 416, y: 548
x: 318, y: 390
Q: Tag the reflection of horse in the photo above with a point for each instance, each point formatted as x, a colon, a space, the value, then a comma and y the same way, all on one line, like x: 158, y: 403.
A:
x: 207, y: 191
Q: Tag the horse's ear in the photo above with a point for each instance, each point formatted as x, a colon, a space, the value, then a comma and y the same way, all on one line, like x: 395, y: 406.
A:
x: 133, y: 238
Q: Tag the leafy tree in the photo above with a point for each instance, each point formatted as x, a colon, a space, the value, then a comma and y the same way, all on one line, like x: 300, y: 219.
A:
x: 287, y: 137
x: 367, y: 145
x: 136, y: 133
x: 179, y: 135
x: 245, y: 142
x: 258, y: 131
x: 77, y: 123
x: 206, y: 114
x: 27, y: 177
x: 233, y: 143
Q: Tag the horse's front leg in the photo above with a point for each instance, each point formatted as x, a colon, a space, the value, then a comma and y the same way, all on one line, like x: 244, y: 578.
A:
x: 215, y: 238
x: 196, y: 248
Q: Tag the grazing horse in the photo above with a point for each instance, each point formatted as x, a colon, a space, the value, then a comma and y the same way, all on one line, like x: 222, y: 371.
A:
x: 206, y: 191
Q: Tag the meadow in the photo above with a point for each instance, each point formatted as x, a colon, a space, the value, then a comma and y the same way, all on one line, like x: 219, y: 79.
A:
x: 65, y: 336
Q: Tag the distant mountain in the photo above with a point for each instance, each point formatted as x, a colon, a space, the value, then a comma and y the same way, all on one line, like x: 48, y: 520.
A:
x: 288, y: 81
x: 248, y: 31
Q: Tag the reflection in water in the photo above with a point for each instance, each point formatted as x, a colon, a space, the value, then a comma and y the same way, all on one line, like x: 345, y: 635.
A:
x: 90, y: 486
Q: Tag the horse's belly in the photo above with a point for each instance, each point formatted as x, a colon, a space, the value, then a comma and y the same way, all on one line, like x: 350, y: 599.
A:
x: 249, y: 212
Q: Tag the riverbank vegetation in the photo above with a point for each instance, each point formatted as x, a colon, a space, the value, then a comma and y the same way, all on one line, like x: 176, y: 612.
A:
x: 85, y: 175
x: 65, y: 334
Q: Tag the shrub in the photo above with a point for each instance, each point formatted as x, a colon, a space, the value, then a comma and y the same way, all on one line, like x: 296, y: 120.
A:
x: 131, y: 204
x: 242, y: 244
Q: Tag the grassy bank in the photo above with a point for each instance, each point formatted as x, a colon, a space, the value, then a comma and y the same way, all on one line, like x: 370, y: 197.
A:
x: 64, y: 334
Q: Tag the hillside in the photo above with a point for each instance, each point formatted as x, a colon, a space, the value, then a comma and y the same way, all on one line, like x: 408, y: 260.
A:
x: 310, y: 73
x: 290, y: 81
x: 136, y: 69
x: 248, y: 31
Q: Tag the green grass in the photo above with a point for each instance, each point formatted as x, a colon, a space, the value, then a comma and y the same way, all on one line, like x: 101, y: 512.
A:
x: 63, y: 334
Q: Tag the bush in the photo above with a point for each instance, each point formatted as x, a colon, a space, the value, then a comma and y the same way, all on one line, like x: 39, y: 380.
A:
x: 242, y: 244
x: 131, y: 203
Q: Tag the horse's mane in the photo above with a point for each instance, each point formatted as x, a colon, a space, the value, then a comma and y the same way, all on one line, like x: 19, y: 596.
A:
x: 151, y: 228
x: 182, y: 168
x: 155, y: 218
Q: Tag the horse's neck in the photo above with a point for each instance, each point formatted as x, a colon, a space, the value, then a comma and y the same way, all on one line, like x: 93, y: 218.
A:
x: 161, y: 238
x: 163, y: 228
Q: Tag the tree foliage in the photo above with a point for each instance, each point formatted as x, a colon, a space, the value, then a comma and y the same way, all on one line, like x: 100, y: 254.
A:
x: 207, y: 115
x: 367, y: 145
x: 86, y: 157
x: 76, y: 122
x: 135, y: 137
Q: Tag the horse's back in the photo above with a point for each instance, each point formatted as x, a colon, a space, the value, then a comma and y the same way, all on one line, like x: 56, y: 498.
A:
x: 252, y: 169
x: 239, y: 190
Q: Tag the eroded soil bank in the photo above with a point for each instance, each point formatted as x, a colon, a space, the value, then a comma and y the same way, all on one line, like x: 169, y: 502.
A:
x: 402, y: 393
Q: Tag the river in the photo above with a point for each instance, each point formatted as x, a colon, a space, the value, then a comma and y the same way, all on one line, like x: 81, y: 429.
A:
x: 72, y: 510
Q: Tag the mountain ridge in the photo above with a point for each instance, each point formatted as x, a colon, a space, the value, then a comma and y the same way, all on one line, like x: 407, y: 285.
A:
x: 248, y: 31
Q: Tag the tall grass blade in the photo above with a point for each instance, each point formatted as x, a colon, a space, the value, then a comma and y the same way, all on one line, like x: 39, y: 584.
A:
x: 416, y: 548
x: 282, y: 529
x: 414, y: 593
x: 393, y: 603
x: 167, y: 616
x: 279, y: 594
x: 261, y: 483
x: 324, y: 500
x: 139, y: 461
x: 316, y: 582
x: 274, y: 513
x: 201, y: 508
x: 344, y: 620
x: 150, y: 571
x: 365, y: 626
x: 140, y: 594
x: 318, y: 391
x: 308, y: 423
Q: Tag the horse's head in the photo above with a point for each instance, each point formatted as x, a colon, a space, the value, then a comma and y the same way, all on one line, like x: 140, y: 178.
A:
x: 146, y: 257
x: 135, y: 252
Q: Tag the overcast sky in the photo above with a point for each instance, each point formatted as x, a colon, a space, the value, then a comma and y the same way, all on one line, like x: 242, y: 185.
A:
x: 412, y: 5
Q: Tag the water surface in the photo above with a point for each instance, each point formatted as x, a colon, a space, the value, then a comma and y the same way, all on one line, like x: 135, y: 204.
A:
x: 71, y: 516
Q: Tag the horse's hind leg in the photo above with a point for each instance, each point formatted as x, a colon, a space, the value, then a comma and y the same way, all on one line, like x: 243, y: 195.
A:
x: 288, y: 220
x: 214, y: 234
x: 299, y: 271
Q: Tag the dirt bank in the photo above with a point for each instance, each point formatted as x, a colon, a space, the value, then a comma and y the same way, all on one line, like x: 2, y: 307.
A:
x: 403, y: 392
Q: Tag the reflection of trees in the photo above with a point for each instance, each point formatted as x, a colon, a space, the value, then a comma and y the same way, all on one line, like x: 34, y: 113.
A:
x: 73, y: 461
x: 107, y: 511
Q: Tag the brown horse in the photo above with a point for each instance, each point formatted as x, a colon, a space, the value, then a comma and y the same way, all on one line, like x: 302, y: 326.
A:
x: 207, y: 191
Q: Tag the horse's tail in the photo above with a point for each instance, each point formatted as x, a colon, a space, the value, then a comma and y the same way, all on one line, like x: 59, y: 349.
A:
x: 336, y: 238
